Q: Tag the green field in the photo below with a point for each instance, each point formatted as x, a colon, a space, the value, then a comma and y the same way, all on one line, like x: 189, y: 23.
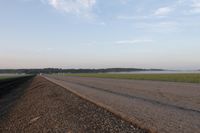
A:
x: 3, y: 77
x: 10, y: 76
x: 188, y: 78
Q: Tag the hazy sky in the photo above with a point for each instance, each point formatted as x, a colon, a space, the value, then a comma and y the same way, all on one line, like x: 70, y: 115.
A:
x: 100, y: 33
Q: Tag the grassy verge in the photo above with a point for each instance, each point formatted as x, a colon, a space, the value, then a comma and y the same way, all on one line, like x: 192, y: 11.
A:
x: 12, y: 77
x: 188, y: 78
x: 7, y: 84
x: 3, y: 77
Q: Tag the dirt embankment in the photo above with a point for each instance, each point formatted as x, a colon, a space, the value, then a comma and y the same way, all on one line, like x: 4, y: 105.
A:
x: 46, y: 107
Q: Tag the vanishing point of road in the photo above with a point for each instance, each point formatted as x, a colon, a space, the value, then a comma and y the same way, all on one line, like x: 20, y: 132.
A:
x: 163, y: 107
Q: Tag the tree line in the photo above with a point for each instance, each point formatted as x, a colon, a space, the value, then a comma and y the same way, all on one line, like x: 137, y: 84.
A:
x: 59, y: 70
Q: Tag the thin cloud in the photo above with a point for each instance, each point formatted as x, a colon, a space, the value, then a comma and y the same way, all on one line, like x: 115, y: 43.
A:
x: 161, y: 27
x: 191, y: 6
x: 163, y: 11
x: 196, y: 3
x: 124, y: 1
x: 196, y: 6
x: 126, y: 17
x: 134, y: 41
x: 78, y: 7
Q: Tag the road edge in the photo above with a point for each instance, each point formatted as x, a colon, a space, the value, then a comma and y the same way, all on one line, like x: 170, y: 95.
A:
x: 119, y: 114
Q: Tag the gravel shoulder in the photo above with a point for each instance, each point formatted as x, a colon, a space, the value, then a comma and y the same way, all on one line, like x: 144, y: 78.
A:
x: 46, y: 107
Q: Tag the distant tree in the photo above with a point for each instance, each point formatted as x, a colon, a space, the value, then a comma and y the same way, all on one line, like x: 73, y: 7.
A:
x: 59, y: 70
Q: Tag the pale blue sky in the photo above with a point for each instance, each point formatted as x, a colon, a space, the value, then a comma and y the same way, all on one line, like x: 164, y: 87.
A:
x: 100, y: 33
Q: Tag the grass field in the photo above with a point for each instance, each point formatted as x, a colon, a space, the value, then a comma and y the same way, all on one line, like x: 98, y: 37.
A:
x: 6, y: 78
x: 3, y: 77
x: 188, y: 78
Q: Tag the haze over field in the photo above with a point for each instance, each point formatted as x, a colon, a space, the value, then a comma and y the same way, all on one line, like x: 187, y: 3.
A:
x: 100, y: 33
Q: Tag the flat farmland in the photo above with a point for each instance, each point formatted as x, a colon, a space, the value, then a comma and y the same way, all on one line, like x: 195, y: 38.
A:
x: 156, y: 105
x: 187, y: 77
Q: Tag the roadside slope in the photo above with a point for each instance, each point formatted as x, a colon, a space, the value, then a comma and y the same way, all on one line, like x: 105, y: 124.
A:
x: 46, y: 107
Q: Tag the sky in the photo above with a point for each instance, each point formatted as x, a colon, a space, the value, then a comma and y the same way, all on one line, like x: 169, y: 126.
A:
x: 100, y: 34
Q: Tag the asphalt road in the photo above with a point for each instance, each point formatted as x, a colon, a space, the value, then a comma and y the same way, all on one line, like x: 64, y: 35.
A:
x: 164, y: 107
x: 40, y: 106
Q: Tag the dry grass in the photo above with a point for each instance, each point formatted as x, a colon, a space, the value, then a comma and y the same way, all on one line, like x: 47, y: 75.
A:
x: 188, y: 78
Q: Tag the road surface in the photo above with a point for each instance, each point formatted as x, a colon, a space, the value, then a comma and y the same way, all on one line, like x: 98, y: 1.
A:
x: 40, y: 106
x: 164, y: 107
